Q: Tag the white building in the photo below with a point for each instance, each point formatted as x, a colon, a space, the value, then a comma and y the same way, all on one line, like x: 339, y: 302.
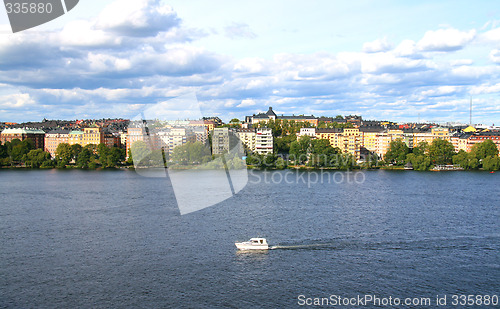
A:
x: 264, y: 141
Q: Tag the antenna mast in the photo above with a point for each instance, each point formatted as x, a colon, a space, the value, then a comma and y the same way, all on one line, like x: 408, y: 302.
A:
x: 470, y: 112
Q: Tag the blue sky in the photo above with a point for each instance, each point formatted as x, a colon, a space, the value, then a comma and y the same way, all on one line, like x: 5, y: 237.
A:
x: 387, y: 60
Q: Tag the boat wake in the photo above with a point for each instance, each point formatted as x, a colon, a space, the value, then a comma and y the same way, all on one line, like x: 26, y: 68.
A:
x: 306, y: 246
x: 466, y: 242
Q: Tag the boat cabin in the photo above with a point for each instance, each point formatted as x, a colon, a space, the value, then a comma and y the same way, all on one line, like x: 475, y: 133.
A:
x: 258, y: 241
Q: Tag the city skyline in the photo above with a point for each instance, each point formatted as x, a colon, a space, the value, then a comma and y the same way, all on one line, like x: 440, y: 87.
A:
x: 400, y: 62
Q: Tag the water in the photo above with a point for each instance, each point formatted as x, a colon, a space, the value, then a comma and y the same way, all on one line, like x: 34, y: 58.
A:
x: 96, y: 239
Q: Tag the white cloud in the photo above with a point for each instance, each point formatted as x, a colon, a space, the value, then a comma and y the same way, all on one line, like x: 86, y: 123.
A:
x: 379, y: 45
x: 482, y: 89
x: 246, y: 103
x: 137, y: 18
x: 239, y: 30
x: 406, y: 48
x: 16, y: 100
x: 495, y: 56
x: 83, y: 33
x: 445, y: 40
x: 491, y: 36
x: 441, y: 91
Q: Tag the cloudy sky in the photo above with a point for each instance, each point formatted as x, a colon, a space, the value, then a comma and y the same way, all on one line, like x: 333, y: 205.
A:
x: 398, y: 60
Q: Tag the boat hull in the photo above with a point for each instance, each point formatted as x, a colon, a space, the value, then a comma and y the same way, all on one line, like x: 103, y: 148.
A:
x: 250, y: 246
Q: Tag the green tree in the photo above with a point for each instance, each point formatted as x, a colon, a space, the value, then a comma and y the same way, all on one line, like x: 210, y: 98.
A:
x: 282, y: 143
x: 84, y: 158
x: 254, y: 159
x: 191, y: 154
x: 420, y: 162
x: 491, y: 163
x: 484, y: 149
x: 281, y: 163
x: 103, y: 152
x: 441, y: 152
x: 322, y: 153
x: 36, y: 157
x: 139, y: 151
x: 397, y: 152
x: 64, y: 155
x: 465, y: 160
x: 344, y: 161
x: 421, y: 149
x: 17, y: 149
x: 299, y: 149
x: 4, y: 155
x: 76, y: 148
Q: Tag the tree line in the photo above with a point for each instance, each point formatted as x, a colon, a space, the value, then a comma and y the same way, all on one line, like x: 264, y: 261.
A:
x: 442, y: 152
x: 23, y: 153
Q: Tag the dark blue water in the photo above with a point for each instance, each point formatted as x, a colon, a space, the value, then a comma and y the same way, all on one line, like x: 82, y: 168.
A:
x: 96, y: 239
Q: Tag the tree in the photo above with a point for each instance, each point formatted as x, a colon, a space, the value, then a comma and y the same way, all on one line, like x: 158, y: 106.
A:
x: 35, y: 158
x: 419, y: 162
x: 64, y: 155
x: 441, y: 152
x: 191, y: 154
x: 76, y: 148
x: 484, y: 149
x: 397, y: 152
x: 299, y: 149
x: 322, y: 153
x: 421, y: 149
x: 491, y: 163
x: 84, y: 158
x: 115, y: 156
x: 17, y: 148
x: 139, y: 151
x: 102, y: 152
x: 465, y: 160
x: 282, y: 143
x: 4, y: 155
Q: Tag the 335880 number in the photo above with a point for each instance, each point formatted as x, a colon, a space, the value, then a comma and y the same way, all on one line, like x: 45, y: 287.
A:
x: 28, y: 8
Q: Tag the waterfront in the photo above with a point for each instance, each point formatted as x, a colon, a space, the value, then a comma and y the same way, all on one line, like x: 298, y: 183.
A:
x: 116, y: 239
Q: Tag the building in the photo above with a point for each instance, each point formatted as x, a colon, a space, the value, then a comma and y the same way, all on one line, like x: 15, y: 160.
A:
x: 171, y: 138
x: 248, y: 137
x: 220, y: 141
x: 311, y: 132
x: 54, y: 138
x: 36, y: 135
x: 89, y: 136
x: 271, y: 115
x: 351, y: 142
x: 112, y: 139
x: 369, y: 137
x: 264, y: 141
x: 480, y: 137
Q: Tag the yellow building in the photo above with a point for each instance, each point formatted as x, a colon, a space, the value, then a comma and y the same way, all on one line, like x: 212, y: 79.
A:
x: 334, y: 136
x: 248, y: 137
x: 86, y: 137
x: 442, y: 133
x: 470, y: 129
x: 351, y: 141
x: 370, y: 141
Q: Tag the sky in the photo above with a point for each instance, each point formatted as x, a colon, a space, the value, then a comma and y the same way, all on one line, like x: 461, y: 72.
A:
x: 404, y: 61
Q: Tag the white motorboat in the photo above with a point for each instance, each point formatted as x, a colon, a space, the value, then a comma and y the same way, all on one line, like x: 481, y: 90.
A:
x: 253, y: 244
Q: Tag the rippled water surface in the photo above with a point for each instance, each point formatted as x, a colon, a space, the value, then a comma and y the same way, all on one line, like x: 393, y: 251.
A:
x: 116, y: 239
